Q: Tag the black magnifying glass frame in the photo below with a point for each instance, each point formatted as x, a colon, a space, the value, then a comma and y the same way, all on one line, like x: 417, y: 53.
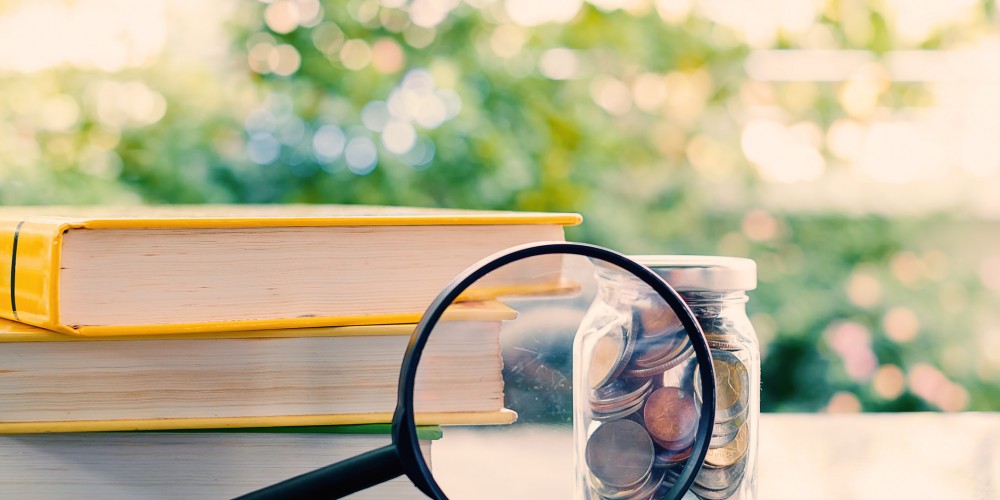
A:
x: 403, y: 456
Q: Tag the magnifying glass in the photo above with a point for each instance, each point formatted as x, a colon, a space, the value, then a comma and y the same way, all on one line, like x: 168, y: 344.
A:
x: 555, y: 370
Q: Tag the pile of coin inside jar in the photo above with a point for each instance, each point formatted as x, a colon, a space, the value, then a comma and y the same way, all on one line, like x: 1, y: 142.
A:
x: 645, y: 401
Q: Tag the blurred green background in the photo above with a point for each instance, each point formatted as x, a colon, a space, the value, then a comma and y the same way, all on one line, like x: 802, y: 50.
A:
x: 849, y: 147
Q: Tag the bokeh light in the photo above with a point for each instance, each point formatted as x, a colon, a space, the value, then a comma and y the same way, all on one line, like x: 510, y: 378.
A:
x: 848, y: 147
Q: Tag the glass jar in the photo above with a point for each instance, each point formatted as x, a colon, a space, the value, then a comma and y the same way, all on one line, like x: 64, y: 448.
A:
x: 715, y: 290
x: 632, y: 361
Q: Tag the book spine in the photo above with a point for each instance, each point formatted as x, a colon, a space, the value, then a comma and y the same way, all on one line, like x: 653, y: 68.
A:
x: 29, y: 272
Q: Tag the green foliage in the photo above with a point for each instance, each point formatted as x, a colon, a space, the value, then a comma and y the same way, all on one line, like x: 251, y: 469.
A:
x: 656, y: 169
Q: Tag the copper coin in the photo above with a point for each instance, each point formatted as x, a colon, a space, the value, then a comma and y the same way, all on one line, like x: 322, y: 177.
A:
x: 670, y: 415
x: 680, y: 444
x: 620, y: 454
x: 730, y: 454
x: 667, y: 458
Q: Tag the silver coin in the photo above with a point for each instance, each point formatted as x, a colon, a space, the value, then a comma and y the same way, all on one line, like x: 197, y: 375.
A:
x: 669, y: 480
x: 620, y: 390
x: 620, y: 454
x: 724, y: 433
x: 643, y: 491
x: 670, y: 363
x: 715, y: 478
x: 637, y: 398
x: 650, y: 353
x: 619, y: 413
x: 647, y: 489
x: 709, y: 494
x: 608, y: 357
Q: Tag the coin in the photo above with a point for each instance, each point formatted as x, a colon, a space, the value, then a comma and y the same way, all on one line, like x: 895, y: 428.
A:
x: 681, y: 444
x: 671, y: 416
x: 669, y: 480
x: 731, y: 384
x: 657, y: 320
x: 622, y: 400
x: 647, y: 489
x: 651, y: 352
x: 727, y: 456
x: 714, y: 478
x: 617, y: 413
x: 620, y: 390
x: 649, y: 372
x: 619, y: 453
x: 710, y: 494
x: 643, y: 490
x: 608, y: 357
x: 724, y: 433
x: 723, y: 342
x: 666, y: 458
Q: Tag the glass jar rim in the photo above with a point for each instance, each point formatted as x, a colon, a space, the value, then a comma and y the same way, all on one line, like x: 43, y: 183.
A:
x: 702, y: 272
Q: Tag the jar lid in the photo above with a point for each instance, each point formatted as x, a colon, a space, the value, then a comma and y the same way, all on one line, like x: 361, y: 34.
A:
x: 688, y: 273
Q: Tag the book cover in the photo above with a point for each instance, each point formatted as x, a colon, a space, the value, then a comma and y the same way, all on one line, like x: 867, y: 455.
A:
x: 188, y: 269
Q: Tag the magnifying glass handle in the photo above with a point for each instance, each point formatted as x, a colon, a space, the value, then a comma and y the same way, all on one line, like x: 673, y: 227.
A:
x: 337, y: 480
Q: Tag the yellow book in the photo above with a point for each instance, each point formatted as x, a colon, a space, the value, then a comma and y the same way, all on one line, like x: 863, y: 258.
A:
x: 52, y: 382
x: 184, y: 269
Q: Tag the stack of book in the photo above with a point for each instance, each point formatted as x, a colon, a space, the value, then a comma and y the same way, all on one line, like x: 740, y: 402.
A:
x: 205, y: 352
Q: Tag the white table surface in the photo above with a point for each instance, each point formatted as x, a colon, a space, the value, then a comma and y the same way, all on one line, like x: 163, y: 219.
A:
x: 801, y: 456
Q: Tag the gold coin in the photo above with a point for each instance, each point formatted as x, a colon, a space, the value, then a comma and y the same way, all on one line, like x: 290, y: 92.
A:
x: 731, y: 384
x: 728, y: 382
x: 729, y: 455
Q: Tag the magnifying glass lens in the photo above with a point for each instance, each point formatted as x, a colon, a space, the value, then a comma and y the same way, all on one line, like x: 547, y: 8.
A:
x: 564, y: 375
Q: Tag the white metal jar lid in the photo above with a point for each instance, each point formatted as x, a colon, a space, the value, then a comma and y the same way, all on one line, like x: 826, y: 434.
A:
x: 688, y: 273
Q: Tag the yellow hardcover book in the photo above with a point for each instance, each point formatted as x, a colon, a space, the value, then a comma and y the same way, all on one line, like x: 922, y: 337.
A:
x: 97, y: 271
x: 52, y: 382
